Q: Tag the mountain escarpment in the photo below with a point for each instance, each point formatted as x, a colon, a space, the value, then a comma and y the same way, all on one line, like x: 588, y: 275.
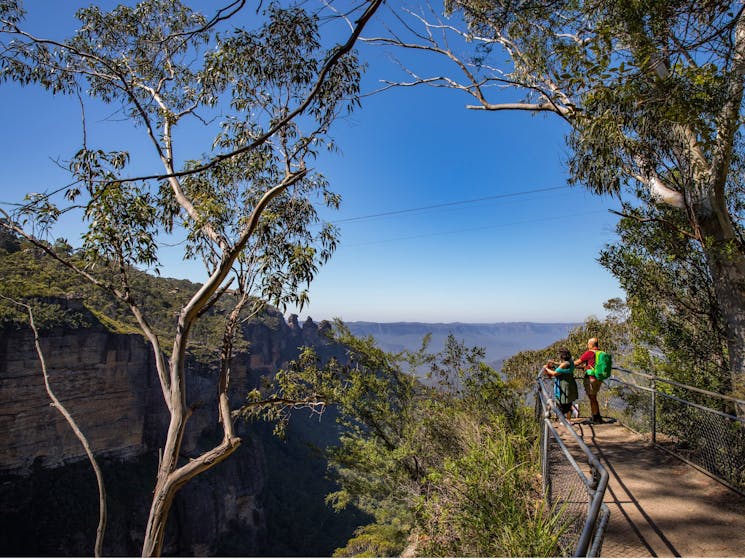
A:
x: 107, y: 380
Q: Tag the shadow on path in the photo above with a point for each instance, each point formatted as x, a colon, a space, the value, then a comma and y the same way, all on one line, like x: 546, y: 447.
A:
x: 661, y: 506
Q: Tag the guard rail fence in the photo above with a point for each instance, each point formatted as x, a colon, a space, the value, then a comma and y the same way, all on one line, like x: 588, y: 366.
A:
x: 698, y: 426
x: 574, y: 480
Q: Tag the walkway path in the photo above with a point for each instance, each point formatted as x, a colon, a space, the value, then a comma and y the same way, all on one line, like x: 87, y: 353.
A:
x: 661, y: 506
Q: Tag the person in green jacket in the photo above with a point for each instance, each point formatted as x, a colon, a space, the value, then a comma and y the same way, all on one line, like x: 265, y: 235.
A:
x: 592, y: 384
x: 565, y: 387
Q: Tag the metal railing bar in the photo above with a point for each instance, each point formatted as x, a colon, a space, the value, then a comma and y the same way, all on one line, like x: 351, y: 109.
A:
x: 639, y: 386
x: 596, y: 492
x: 681, y: 385
x: 597, y: 541
x: 700, y: 467
x: 595, y: 505
x: 567, y: 453
x: 682, y: 401
x: 550, y: 404
x: 720, y: 455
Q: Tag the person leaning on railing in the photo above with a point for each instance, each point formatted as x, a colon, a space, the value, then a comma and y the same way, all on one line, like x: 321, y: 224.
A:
x: 565, y: 387
x: 586, y: 361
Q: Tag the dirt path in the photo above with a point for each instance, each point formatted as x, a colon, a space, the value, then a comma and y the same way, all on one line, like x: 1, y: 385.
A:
x: 661, y: 506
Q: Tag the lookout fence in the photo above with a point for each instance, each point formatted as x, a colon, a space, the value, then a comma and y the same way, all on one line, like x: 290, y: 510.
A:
x: 700, y: 427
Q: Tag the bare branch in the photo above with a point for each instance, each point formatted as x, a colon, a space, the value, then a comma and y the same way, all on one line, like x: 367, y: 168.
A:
x: 315, y: 403
x: 475, y: 86
x: 223, y: 14
x: 537, y: 107
x: 56, y: 403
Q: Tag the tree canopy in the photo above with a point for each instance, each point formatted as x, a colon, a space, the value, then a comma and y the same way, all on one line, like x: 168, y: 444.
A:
x: 446, y: 465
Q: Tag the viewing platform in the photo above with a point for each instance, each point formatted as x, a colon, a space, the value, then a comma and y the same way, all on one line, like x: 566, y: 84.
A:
x: 659, y: 505
x: 664, y: 476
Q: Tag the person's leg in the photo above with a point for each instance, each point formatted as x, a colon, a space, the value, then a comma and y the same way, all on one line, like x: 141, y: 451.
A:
x: 592, y: 387
x: 594, y: 406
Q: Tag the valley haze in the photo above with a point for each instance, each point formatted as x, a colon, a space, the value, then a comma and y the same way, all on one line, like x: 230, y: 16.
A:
x: 500, y: 340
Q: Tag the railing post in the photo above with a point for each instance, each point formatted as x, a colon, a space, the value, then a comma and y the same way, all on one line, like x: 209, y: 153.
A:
x: 544, y: 452
x: 654, y: 410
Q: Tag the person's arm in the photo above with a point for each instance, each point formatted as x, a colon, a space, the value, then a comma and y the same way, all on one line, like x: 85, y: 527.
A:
x: 548, y: 369
x: 582, y: 361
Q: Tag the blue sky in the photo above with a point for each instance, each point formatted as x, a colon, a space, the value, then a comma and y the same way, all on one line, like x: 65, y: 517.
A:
x: 506, y: 240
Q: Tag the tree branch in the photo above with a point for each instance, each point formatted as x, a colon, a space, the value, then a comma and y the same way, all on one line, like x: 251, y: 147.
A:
x: 150, y: 334
x: 313, y: 403
x: 666, y: 222
x: 475, y: 89
x: 281, y: 123
x: 56, y: 403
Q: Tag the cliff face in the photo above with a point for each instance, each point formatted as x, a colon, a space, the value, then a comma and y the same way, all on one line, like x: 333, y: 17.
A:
x: 108, y: 382
x: 104, y: 380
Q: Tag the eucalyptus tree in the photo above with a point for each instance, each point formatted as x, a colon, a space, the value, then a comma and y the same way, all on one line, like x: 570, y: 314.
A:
x: 245, y: 204
x: 651, y: 91
x: 671, y: 299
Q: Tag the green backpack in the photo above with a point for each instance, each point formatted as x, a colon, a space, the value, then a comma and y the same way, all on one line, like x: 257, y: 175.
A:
x: 603, y: 365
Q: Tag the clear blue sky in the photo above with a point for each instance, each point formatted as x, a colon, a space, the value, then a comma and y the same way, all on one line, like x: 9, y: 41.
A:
x: 507, y: 240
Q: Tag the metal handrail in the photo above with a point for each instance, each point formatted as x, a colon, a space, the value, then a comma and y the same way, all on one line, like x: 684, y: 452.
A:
x: 680, y: 385
x: 682, y: 400
x: 590, y: 539
x: 701, y: 449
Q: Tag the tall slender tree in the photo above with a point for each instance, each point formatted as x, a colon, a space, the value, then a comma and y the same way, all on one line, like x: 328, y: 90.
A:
x: 246, y: 206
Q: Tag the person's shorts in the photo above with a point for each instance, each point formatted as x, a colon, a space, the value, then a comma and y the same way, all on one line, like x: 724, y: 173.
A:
x: 565, y: 408
x: 592, y: 385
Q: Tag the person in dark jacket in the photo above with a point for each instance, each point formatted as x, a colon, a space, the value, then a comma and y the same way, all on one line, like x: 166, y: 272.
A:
x: 565, y: 387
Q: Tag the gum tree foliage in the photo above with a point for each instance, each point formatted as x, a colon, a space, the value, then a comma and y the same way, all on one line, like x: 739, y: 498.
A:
x: 446, y: 460
x: 671, y: 299
x: 651, y: 91
x: 246, y: 206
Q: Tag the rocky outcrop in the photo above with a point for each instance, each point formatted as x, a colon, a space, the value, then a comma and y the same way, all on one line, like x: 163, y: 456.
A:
x: 108, y: 382
x: 104, y: 379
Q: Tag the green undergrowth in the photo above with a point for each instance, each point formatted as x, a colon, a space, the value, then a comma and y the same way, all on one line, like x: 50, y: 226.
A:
x: 445, y: 465
x: 61, y: 298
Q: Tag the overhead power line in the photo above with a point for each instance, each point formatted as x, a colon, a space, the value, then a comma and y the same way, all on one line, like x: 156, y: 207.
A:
x: 472, y: 229
x: 448, y: 204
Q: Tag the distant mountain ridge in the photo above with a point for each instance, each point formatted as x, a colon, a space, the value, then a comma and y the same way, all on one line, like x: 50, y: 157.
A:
x: 500, y: 339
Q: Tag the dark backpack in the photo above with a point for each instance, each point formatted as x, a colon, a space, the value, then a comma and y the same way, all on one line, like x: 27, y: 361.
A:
x: 603, y: 365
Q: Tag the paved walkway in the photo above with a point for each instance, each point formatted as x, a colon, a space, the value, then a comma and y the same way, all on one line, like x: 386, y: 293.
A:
x: 661, y: 506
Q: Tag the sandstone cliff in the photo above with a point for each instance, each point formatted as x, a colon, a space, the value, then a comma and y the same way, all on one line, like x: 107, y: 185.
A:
x: 108, y: 383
